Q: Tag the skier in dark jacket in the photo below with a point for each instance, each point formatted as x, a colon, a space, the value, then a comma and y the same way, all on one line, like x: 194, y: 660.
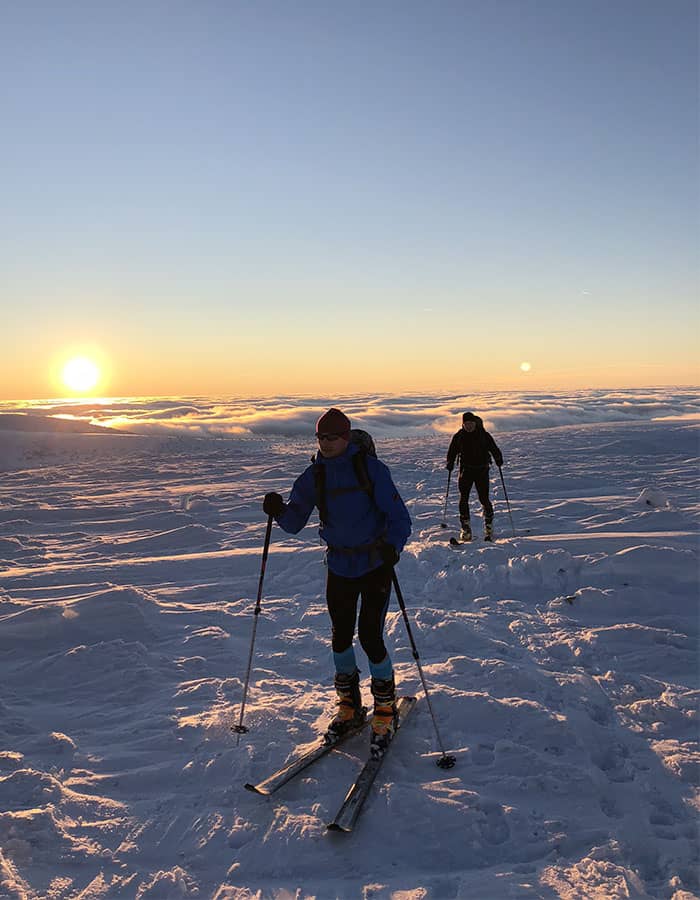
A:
x: 474, y: 446
x: 365, y: 528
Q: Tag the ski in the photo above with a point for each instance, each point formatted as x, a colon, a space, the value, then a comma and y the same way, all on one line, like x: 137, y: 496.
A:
x: 297, y: 764
x: 455, y: 542
x: 360, y: 788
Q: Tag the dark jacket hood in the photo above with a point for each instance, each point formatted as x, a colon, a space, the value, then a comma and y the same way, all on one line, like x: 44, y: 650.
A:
x: 470, y: 417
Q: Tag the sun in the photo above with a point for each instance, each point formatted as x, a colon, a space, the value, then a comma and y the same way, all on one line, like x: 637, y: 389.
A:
x: 525, y: 367
x: 80, y: 374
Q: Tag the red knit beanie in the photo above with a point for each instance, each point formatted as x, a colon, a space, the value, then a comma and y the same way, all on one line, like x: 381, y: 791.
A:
x: 334, y: 422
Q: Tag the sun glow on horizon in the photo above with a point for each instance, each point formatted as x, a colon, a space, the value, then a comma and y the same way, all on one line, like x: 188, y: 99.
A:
x: 80, y: 374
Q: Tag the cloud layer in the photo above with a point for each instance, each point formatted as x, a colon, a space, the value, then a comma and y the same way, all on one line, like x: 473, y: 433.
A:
x: 385, y: 416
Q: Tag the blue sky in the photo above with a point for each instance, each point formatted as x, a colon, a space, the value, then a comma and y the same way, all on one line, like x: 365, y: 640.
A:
x: 213, y: 194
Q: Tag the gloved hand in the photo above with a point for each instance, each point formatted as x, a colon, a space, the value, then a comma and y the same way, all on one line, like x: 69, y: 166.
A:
x: 450, y: 466
x: 273, y: 505
x: 389, y: 554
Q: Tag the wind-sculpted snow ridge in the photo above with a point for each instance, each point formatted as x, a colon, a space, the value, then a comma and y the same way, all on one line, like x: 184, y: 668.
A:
x: 562, y: 664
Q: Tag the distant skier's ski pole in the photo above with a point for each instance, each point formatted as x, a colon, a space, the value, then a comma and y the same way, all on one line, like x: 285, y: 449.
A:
x: 240, y: 728
x: 443, y: 524
x: 500, y: 470
x: 445, y: 761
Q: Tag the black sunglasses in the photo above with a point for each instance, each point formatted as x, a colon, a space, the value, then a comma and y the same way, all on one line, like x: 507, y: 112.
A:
x: 327, y: 437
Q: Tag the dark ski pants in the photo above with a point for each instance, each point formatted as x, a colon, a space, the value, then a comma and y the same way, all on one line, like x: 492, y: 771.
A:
x: 342, y: 595
x: 480, y: 478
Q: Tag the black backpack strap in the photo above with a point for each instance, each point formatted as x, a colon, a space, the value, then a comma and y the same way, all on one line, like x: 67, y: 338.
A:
x: 364, y: 483
x: 320, y: 490
x: 359, y: 464
x: 371, y: 547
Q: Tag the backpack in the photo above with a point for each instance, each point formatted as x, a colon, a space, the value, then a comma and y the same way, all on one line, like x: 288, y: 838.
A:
x: 364, y: 441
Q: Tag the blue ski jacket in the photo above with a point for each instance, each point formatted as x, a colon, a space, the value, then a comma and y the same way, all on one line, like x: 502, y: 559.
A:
x: 355, y: 522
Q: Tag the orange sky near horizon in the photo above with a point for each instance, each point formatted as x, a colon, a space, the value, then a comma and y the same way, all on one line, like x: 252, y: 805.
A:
x: 458, y: 366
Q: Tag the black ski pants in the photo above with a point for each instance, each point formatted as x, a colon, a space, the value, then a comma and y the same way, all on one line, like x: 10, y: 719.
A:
x: 342, y: 595
x: 478, y: 476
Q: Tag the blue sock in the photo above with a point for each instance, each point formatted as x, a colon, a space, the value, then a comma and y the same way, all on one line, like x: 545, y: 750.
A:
x: 345, y: 662
x: 383, y: 670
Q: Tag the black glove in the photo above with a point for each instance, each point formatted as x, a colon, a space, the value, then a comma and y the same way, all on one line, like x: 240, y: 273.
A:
x: 499, y: 462
x: 273, y: 505
x: 450, y: 466
x: 389, y: 554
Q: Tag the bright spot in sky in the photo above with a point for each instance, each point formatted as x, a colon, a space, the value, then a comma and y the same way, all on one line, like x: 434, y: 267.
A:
x: 525, y: 367
x: 80, y: 374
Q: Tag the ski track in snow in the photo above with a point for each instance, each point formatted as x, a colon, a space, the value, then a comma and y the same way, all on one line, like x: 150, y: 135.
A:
x: 562, y: 666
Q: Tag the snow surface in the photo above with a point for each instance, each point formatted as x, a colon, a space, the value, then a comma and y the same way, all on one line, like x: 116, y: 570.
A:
x: 562, y: 666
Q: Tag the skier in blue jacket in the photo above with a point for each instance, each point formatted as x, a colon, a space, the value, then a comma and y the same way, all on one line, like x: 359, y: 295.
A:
x: 365, y: 527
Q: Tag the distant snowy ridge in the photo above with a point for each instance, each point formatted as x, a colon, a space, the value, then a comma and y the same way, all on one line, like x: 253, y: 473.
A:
x: 30, y: 421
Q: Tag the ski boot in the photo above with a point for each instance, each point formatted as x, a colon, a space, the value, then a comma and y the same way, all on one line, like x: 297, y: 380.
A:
x: 466, y: 532
x: 351, y: 712
x: 385, y: 717
x: 488, y: 530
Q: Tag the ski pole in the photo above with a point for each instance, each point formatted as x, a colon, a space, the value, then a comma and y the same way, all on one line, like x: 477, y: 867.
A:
x: 500, y: 471
x: 240, y: 728
x: 443, y: 524
x: 446, y: 761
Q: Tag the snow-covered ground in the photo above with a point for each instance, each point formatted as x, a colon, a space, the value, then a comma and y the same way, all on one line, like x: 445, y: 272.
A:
x: 562, y: 666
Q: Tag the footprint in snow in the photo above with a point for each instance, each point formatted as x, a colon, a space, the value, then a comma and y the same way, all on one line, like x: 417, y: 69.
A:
x: 483, y: 755
x: 493, y: 825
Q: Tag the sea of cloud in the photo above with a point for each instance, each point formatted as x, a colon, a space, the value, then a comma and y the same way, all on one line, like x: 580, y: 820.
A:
x: 385, y: 416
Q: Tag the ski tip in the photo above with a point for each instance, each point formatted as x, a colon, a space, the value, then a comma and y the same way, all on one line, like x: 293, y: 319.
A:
x: 254, y: 788
x: 338, y: 829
